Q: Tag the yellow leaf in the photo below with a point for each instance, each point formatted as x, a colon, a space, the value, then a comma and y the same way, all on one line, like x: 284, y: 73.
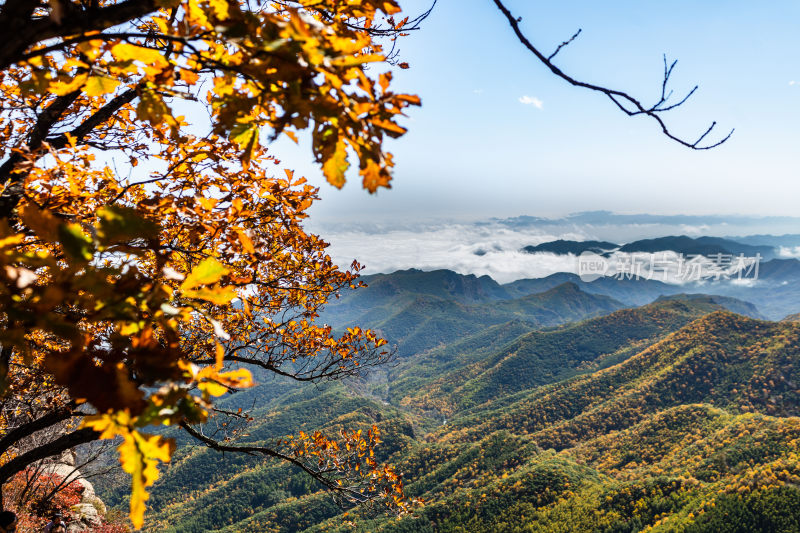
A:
x: 245, y: 134
x: 11, y: 240
x: 240, y: 378
x: 103, y: 424
x: 390, y: 8
x: 212, y: 388
x: 195, y: 14
x: 129, y: 328
x: 208, y: 272
x: 189, y: 76
x: 99, y: 85
x: 60, y: 88
x: 351, y: 61
x: 336, y: 165
x: 207, y: 203
x: 384, y: 80
x: 220, y: 356
x: 91, y: 49
x: 139, y: 455
x: 220, y: 8
x: 412, y: 99
x: 374, y: 177
x: 218, y: 296
x: 148, y: 56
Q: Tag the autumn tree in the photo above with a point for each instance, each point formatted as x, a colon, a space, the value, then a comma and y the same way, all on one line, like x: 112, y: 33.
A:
x: 148, y: 260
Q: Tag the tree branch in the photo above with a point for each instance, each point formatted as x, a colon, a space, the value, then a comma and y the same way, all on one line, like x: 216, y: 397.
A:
x: 27, y: 32
x: 44, y: 123
x: 326, y: 370
x: 269, y: 452
x: 101, y: 115
x: 11, y: 195
x: 565, y: 43
x: 618, y: 97
x: 65, y: 442
x: 25, y: 430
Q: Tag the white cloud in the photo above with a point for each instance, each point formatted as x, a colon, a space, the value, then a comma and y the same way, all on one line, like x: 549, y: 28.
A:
x: 700, y: 230
x: 464, y: 248
x: 495, y: 250
x: 477, y: 91
x: 493, y: 247
x: 789, y: 252
x: 793, y: 82
x: 531, y: 100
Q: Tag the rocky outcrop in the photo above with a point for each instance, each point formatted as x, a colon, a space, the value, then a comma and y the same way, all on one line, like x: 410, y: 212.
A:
x: 88, y: 513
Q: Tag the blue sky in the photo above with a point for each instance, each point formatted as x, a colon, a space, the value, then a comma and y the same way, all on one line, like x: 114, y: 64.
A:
x: 474, y: 150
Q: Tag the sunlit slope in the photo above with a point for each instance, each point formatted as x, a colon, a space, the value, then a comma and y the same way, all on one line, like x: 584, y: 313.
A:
x: 675, y: 417
x: 697, y: 432
x: 728, y: 360
x: 692, y: 468
x: 539, y: 357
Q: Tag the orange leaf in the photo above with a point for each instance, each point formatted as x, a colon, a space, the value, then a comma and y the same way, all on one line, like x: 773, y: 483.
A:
x: 389, y: 126
x: 335, y: 166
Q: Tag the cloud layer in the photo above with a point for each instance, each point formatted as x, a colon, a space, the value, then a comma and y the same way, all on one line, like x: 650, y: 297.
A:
x: 493, y: 247
x: 467, y: 249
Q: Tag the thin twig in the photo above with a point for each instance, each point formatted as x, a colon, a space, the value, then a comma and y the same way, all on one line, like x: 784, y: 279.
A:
x: 562, y: 45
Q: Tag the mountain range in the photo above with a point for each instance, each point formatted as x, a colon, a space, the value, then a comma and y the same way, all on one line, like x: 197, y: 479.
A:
x: 557, y: 409
x: 776, y: 288
x: 707, y: 246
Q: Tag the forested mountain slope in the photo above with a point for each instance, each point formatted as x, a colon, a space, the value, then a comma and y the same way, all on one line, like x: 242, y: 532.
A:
x: 674, y: 416
x: 541, y: 356
x: 415, y: 321
x: 698, y: 432
x: 774, y: 286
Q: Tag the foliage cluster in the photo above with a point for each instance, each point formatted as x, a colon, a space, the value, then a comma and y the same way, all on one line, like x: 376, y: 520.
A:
x: 152, y: 254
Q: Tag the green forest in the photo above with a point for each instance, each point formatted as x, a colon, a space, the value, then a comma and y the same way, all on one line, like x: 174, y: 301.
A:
x: 678, y: 415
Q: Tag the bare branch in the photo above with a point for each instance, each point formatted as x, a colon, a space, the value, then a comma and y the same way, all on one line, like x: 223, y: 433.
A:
x: 565, y: 43
x: 65, y: 442
x: 313, y: 369
x: 625, y: 102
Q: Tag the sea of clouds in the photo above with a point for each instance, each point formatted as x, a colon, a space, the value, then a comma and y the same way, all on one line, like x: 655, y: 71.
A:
x: 493, y: 247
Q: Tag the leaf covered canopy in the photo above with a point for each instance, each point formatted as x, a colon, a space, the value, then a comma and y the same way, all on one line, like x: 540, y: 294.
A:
x: 151, y: 251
